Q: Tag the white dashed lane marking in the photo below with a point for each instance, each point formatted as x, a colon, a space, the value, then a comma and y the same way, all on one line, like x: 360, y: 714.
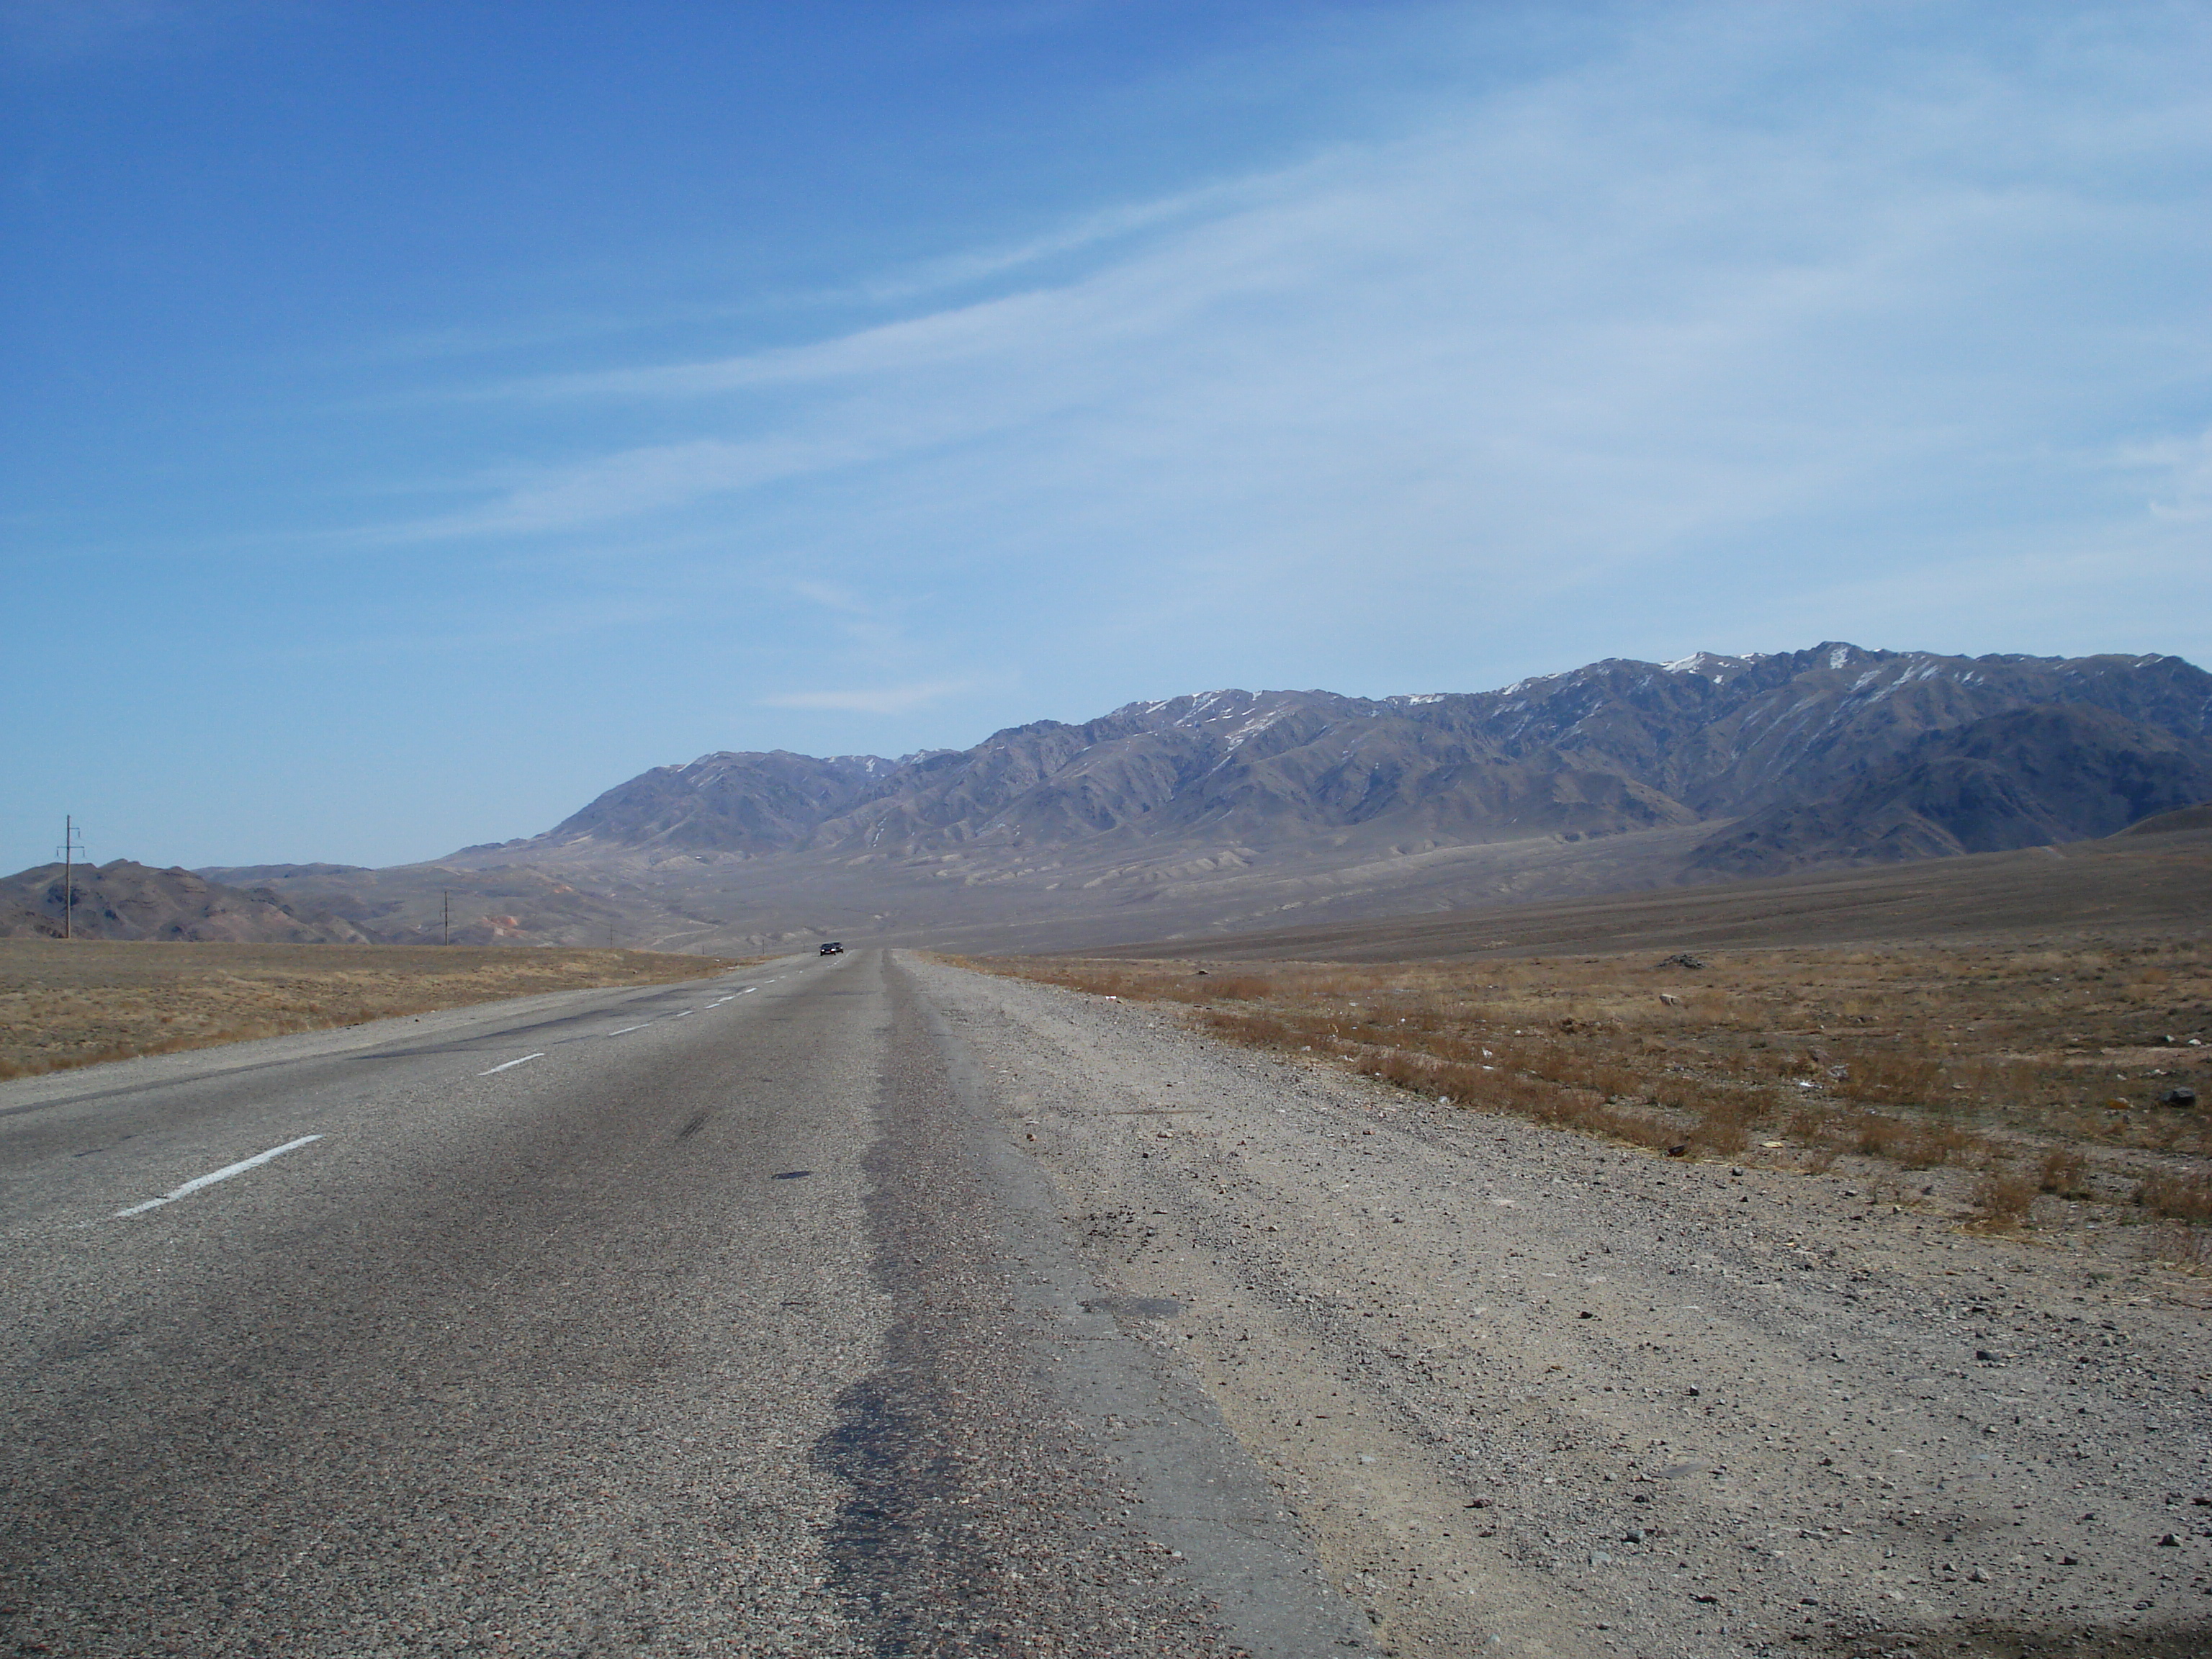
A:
x: 223, y: 1173
x: 540, y: 1054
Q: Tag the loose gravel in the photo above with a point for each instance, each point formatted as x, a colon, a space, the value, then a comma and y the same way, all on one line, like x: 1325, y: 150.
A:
x: 1530, y: 1393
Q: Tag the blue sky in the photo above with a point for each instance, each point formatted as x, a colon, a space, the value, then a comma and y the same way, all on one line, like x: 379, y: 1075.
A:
x: 421, y: 417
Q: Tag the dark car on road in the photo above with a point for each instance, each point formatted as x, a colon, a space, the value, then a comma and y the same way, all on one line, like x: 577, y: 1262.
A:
x: 833, y: 948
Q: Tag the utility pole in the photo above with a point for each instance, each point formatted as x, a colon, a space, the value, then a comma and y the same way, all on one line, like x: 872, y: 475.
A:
x: 610, y: 936
x: 447, y: 895
x: 72, y: 844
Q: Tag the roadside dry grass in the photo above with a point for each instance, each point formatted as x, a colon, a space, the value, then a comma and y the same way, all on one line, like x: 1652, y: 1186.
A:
x: 84, y: 1001
x: 2030, y: 1075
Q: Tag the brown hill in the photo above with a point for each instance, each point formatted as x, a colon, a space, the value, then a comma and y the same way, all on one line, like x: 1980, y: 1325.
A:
x: 2169, y: 823
x: 439, y: 903
x: 122, y: 900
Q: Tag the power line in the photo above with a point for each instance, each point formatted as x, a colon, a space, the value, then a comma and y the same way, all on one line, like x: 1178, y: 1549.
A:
x: 72, y: 844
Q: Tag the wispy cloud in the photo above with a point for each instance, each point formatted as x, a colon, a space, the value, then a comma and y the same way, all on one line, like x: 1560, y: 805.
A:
x: 832, y: 596
x: 635, y: 482
x: 1086, y: 232
x: 880, y: 699
x: 2181, y: 469
x: 1742, y: 299
x: 1583, y: 321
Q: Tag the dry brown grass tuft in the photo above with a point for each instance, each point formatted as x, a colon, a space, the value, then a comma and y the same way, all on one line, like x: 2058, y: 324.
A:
x: 2063, y: 1172
x: 1915, y: 1144
x: 2004, y: 1197
x: 1978, y: 1057
x: 2183, y: 1197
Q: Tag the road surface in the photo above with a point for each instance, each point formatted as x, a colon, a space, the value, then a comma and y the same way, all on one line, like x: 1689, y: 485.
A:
x: 726, y: 1317
x: 867, y: 1305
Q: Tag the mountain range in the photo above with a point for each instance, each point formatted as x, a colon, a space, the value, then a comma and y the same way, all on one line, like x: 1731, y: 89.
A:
x: 1831, y: 754
x: 1232, y: 809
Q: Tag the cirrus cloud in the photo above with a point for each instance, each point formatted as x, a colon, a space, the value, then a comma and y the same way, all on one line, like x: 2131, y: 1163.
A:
x: 878, y: 700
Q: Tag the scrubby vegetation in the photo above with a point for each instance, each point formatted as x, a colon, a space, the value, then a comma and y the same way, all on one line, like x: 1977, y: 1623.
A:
x: 2037, y: 1072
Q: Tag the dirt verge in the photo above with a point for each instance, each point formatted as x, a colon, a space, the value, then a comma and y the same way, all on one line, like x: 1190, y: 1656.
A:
x: 2053, y: 1083
x: 1535, y: 1392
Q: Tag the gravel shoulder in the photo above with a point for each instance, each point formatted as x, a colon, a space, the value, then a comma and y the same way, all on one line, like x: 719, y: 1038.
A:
x: 1020, y: 1476
x: 1529, y: 1393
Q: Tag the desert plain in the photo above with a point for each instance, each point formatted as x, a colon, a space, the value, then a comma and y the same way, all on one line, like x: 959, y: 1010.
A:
x: 1811, y: 1267
x: 77, y: 1002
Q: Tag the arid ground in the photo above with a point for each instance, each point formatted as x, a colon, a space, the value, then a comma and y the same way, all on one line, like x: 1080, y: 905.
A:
x: 2054, y: 1083
x: 1845, y: 1301
x: 75, y: 1003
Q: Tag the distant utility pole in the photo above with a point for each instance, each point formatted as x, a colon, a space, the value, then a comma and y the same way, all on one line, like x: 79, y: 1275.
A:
x: 72, y: 844
x: 447, y: 895
x: 610, y: 936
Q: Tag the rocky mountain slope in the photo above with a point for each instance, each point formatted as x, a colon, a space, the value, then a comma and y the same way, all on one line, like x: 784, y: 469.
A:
x: 750, y: 803
x: 2030, y: 777
x: 122, y: 900
x: 1835, y: 754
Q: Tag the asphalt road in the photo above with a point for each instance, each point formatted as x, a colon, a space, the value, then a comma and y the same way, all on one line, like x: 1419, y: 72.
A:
x: 714, y: 1318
